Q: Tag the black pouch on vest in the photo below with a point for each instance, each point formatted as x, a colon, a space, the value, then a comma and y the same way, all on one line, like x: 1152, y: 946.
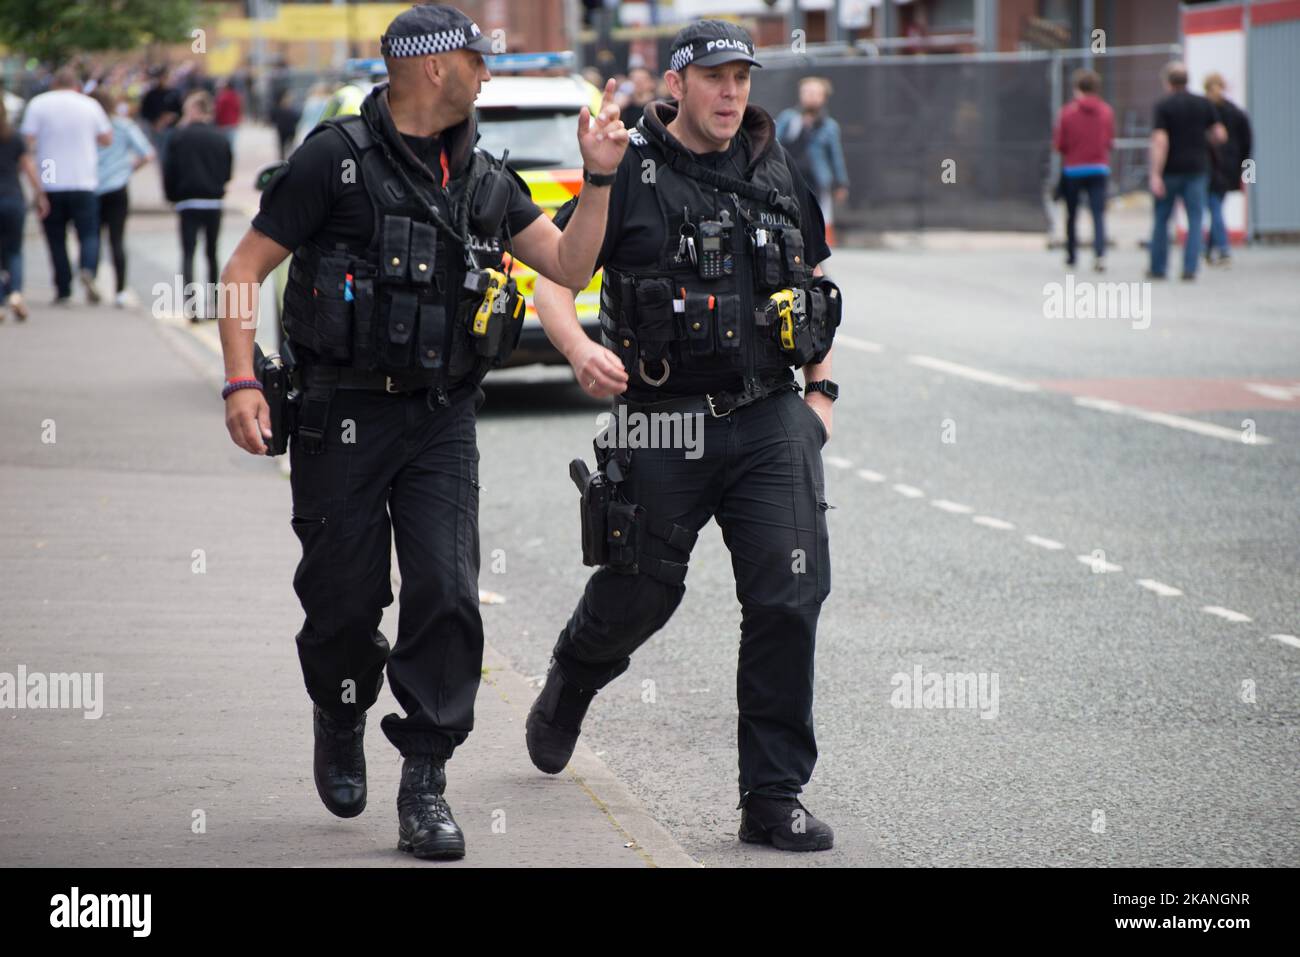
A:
x: 463, y: 357
x: 433, y: 329
x: 728, y: 314
x: 363, y: 341
x: 424, y: 250
x: 699, y: 323
x: 832, y: 305
x: 796, y: 267
x: 330, y: 335
x: 654, y: 317
x: 805, y: 346
x: 395, y: 349
x: 515, y: 308
x: 615, y: 332
x: 395, y: 244
x: 622, y: 525
x: 767, y: 263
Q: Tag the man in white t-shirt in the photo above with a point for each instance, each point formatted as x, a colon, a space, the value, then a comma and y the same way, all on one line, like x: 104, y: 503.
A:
x: 64, y: 130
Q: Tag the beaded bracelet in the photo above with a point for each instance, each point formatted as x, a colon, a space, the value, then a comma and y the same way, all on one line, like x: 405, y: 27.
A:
x: 234, y: 385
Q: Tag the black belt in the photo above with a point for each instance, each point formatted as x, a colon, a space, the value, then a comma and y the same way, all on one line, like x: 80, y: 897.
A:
x: 716, y: 404
x: 346, y: 377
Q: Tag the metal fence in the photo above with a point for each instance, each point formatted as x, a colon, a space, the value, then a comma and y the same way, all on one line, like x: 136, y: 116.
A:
x: 902, y: 117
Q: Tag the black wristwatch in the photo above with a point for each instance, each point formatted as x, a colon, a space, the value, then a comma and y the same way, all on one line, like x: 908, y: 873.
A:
x: 825, y: 386
x: 598, y: 179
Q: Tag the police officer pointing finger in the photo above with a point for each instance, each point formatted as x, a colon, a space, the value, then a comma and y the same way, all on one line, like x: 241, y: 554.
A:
x: 397, y: 305
x: 709, y: 299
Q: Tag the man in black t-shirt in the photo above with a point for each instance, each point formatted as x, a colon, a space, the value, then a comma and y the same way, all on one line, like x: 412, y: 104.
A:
x: 398, y: 227
x: 1184, y: 127
x: 711, y: 228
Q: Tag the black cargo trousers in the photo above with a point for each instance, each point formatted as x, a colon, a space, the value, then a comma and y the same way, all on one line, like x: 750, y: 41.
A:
x: 392, y: 465
x: 760, y: 476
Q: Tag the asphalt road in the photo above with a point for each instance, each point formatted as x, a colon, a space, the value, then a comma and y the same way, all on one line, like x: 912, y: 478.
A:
x: 1002, y: 482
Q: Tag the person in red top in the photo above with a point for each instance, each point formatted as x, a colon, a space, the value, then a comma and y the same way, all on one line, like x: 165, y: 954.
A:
x: 228, y: 111
x: 1084, y: 132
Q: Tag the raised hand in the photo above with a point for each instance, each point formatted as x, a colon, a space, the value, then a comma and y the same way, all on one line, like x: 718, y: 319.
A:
x: 602, y: 138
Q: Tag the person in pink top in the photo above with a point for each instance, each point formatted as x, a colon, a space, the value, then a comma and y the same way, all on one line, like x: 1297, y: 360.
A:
x: 1085, y: 130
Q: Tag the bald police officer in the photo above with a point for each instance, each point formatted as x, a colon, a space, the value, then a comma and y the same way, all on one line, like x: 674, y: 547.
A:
x: 708, y: 301
x: 396, y: 306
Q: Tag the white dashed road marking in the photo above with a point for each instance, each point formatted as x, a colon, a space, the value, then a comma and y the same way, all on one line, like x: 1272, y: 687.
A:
x: 1227, y: 614
x: 1173, y: 421
x: 839, y: 463
x: 1161, y: 589
x: 975, y: 375
x: 853, y: 342
x: 1279, y: 393
x: 1096, y: 561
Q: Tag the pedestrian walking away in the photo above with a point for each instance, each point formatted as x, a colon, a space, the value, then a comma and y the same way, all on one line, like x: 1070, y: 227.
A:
x: 1184, y: 127
x: 398, y: 302
x: 1226, y: 163
x: 1083, y: 136
x: 63, y: 128
x: 196, y: 170
x: 285, y: 119
x: 15, y: 158
x: 709, y: 299
x: 117, y: 162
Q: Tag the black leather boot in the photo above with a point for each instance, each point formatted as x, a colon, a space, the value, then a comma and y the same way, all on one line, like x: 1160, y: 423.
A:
x: 425, y: 826
x: 340, y: 763
x: 555, y: 721
x: 784, y: 823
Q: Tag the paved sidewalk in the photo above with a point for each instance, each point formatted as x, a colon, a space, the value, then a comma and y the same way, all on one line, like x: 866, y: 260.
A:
x: 204, y: 712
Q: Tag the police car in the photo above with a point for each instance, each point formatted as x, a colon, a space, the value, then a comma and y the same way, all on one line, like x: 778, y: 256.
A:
x: 535, y: 118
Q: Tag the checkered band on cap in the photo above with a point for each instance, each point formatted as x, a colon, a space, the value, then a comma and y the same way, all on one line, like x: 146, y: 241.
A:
x: 424, y: 44
x: 681, y: 58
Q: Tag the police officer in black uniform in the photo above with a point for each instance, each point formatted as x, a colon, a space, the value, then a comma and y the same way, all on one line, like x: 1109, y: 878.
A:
x: 396, y: 306
x: 709, y: 299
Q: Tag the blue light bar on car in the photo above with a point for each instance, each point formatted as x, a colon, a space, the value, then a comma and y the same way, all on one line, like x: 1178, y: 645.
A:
x: 521, y: 62
x: 370, y: 66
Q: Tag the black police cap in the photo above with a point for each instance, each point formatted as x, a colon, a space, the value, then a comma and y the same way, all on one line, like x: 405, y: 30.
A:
x: 432, y: 28
x: 710, y: 42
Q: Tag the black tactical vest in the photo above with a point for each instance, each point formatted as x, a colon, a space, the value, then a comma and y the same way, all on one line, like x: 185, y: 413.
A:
x: 399, y: 305
x: 730, y: 243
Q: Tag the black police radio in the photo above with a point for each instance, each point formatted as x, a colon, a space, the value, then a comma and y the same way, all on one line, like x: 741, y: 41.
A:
x: 714, y: 258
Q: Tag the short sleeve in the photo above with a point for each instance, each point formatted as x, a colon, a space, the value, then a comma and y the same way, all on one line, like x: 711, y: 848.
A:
x: 1161, y: 119
x: 138, y: 143
x: 31, y: 123
x: 102, y: 124
x: 297, y: 203
x: 521, y: 211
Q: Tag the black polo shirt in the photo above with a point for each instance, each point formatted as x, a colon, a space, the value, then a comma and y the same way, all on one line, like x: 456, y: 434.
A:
x: 634, y: 236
